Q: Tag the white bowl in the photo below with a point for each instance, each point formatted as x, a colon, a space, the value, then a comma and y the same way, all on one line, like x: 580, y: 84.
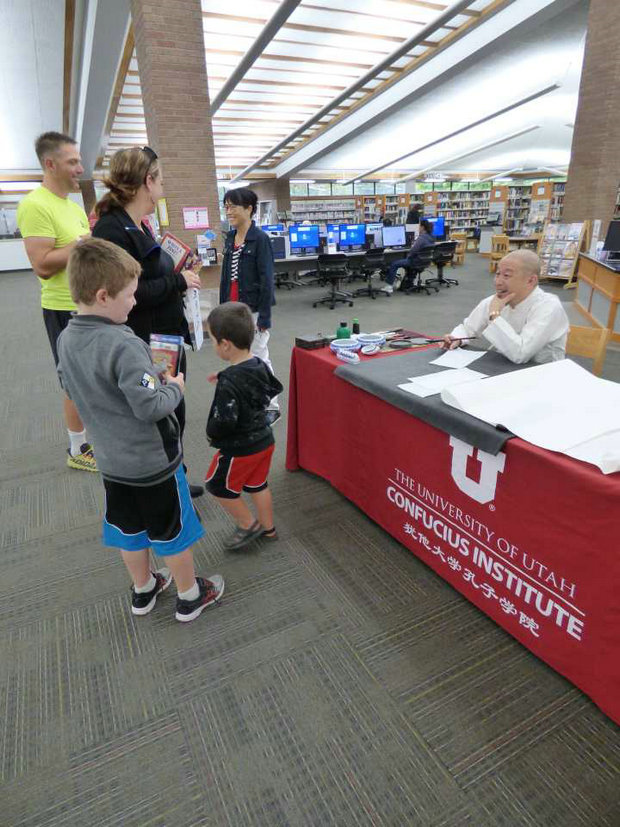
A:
x: 377, y: 339
x: 345, y: 344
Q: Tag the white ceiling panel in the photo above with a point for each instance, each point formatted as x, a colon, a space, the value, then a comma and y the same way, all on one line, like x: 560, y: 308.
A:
x: 323, y: 48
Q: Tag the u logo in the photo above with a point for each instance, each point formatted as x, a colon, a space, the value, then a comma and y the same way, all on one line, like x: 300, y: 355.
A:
x: 491, y: 465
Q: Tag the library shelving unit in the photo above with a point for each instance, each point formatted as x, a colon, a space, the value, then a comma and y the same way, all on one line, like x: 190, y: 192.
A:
x: 557, y: 201
x: 397, y: 206
x: 369, y: 208
x: 327, y: 208
x: 547, y: 202
x: 519, y: 197
x: 464, y: 209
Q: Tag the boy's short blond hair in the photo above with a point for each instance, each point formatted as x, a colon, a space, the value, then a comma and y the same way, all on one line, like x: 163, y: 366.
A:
x: 96, y: 264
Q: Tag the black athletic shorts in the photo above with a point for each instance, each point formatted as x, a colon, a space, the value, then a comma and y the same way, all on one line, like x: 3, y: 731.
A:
x: 161, y: 516
x: 55, y: 323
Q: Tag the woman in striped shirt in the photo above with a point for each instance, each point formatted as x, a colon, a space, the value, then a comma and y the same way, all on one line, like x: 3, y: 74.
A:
x: 247, y: 272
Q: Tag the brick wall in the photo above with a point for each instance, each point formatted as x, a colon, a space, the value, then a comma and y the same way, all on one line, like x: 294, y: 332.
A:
x: 594, y: 171
x: 171, y: 60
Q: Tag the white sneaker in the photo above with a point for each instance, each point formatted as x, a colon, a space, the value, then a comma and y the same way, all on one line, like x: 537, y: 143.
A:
x: 387, y: 288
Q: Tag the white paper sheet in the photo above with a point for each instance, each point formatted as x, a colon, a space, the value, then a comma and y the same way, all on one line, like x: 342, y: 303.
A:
x: 458, y: 358
x: 558, y: 406
x: 435, y: 382
x: 193, y: 314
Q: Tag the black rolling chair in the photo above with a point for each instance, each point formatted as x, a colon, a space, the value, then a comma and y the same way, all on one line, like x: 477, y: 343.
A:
x: 373, y: 261
x: 443, y: 254
x: 283, y: 280
x: 332, y: 269
x: 412, y: 283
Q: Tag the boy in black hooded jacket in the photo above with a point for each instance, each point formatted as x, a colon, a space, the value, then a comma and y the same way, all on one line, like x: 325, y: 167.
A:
x: 238, y: 425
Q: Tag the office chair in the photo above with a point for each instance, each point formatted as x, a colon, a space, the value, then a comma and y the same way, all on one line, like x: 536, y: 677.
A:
x: 442, y: 255
x: 412, y: 283
x: 373, y: 261
x: 333, y: 268
x: 282, y: 279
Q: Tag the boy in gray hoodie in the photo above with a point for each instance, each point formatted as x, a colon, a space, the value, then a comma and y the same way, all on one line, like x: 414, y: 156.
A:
x: 128, y: 409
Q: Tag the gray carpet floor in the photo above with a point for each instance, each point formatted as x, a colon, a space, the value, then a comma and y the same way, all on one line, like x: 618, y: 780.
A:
x: 341, y: 682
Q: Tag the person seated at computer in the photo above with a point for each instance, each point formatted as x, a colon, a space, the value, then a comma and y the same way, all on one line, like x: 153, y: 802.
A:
x: 387, y: 222
x: 413, y: 216
x: 520, y: 321
x: 424, y: 240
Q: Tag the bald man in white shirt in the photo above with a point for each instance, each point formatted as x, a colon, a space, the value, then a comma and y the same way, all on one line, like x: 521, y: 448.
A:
x: 520, y: 321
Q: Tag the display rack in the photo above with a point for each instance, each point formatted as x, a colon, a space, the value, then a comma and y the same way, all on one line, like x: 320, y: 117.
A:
x: 558, y: 248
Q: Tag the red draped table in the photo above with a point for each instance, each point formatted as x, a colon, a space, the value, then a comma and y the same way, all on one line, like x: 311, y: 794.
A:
x: 531, y: 537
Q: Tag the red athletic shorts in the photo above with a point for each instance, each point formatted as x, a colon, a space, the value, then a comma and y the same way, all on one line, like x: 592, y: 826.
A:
x: 228, y: 476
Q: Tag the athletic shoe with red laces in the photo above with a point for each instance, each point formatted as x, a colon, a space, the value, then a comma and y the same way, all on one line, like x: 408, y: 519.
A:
x: 210, y: 592
x: 143, y: 602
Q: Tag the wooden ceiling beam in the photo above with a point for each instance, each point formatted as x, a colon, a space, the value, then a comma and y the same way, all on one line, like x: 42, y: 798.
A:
x: 68, y: 64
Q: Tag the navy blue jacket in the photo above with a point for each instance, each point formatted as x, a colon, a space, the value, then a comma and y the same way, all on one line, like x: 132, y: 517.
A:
x: 422, y: 242
x: 159, y: 297
x: 255, y: 273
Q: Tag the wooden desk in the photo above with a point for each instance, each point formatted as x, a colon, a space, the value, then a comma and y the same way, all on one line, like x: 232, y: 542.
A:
x: 598, y: 294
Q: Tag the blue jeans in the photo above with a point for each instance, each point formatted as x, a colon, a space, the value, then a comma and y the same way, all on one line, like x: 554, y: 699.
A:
x: 391, y: 276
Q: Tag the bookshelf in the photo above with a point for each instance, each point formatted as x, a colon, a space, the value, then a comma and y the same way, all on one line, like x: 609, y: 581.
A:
x: 464, y: 210
x: 320, y: 210
x: 557, y: 201
x: 519, y: 198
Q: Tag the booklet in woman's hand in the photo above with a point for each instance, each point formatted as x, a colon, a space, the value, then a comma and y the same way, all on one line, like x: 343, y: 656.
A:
x: 166, y: 352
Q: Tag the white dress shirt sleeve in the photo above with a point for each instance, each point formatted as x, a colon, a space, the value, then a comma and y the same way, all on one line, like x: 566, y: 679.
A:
x: 545, y: 322
x: 475, y: 323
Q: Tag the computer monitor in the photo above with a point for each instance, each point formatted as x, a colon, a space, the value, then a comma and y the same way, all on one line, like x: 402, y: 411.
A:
x: 394, y: 236
x: 612, y: 239
x: 352, y: 235
x: 272, y: 228
x: 333, y: 233
x: 374, y: 228
x: 304, y: 236
x: 438, y: 224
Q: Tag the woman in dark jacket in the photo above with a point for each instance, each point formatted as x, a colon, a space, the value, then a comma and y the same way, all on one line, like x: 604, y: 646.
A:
x: 135, y: 184
x: 247, y: 273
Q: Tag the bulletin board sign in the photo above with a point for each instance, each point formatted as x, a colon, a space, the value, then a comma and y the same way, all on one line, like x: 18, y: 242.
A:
x: 162, y: 212
x: 195, y: 218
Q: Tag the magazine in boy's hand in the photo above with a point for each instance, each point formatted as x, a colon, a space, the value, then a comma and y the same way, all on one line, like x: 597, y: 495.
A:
x: 166, y: 352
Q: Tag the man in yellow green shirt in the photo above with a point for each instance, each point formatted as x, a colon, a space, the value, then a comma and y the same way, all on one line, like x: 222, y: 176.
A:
x: 51, y: 224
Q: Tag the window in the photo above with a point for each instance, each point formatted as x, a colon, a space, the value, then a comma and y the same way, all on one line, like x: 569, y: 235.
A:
x: 319, y: 189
